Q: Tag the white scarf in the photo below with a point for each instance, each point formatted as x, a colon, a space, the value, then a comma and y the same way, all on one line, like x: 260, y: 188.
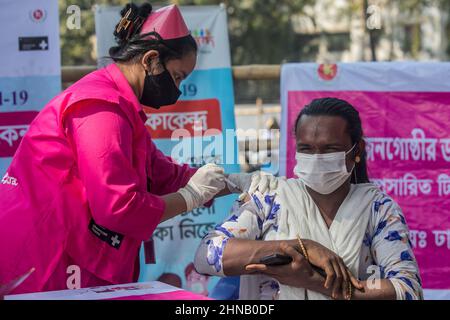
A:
x: 299, y: 215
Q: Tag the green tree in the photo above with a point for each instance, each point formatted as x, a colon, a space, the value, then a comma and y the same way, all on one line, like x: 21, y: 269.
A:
x: 414, y: 8
x: 261, y: 31
x: 77, y: 44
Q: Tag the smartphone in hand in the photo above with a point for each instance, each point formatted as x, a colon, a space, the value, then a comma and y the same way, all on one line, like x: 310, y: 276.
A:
x: 276, y: 259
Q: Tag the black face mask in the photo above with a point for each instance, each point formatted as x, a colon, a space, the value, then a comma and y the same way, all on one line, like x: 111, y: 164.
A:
x: 159, y: 90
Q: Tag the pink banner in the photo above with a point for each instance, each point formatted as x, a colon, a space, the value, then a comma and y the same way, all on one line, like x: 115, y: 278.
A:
x: 13, y: 126
x: 408, y: 147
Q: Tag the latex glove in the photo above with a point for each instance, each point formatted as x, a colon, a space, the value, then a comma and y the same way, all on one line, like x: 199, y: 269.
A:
x: 250, y: 182
x: 203, y: 186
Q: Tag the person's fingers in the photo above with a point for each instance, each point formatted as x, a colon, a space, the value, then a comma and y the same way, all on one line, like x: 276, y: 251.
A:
x: 217, y: 170
x: 330, y: 275
x: 355, y: 282
x: 337, y: 281
x: 217, y: 176
x: 263, y: 184
x: 290, y: 251
x: 215, y: 181
x: 345, y: 279
x: 273, y: 183
x: 256, y: 267
x: 210, y: 166
x: 256, y: 178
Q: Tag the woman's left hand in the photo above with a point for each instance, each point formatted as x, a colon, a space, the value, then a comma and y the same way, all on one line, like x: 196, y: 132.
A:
x: 298, y: 273
x: 338, y: 276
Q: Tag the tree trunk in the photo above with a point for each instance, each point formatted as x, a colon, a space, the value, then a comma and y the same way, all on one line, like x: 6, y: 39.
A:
x: 371, y: 35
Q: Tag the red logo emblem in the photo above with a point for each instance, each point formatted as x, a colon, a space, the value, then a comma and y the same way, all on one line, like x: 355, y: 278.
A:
x: 38, y: 15
x: 327, y: 71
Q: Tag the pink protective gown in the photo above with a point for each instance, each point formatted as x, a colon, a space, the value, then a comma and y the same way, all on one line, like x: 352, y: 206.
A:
x: 84, y: 188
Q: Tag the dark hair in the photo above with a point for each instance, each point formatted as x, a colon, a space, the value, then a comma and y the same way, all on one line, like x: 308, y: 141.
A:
x: 340, y: 108
x: 131, y: 45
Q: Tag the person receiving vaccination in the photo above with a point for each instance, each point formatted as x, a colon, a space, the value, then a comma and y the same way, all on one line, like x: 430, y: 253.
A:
x: 337, y: 235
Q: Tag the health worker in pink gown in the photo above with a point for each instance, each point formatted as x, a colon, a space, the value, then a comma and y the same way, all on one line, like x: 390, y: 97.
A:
x: 87, y: 184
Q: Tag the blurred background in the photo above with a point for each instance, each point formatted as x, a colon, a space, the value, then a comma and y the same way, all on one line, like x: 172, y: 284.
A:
x: 267, y: 33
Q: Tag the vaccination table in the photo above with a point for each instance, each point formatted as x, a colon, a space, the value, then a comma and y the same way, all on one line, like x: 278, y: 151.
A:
x: 153, y: 290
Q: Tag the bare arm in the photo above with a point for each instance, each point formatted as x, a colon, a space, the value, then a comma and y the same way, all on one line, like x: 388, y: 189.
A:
x: 299, y: 273
x: 231, y: 247
x: 175, y: 205
x: 381, y: 289
x: 239, y: 231
x: 242, y: 252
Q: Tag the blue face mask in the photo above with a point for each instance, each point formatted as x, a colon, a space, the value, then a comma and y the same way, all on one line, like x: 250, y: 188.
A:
x: 159, y: 90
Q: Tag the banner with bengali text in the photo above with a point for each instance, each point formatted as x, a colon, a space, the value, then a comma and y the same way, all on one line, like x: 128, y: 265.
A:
x: 405, y: 111
x: 30, y: 68
x: 204, y: 114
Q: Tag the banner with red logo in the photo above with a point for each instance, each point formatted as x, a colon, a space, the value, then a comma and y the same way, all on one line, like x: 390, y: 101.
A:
x: 405, y: 112
x: 188, y: 115
x: 198, y: 129
x: 30, y: 68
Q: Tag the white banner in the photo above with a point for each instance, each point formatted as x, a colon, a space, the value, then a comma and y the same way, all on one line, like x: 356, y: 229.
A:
x: 208, y: 25
x: 30, y: 68
x: 207, y: 95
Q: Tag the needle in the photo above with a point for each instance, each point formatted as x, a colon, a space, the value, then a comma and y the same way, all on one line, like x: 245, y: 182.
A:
x: 243, y: 195
x: 232, y: 184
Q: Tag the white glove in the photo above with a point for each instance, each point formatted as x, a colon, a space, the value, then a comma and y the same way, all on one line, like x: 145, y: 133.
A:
x: 203, y: 186
x: 250, y: 182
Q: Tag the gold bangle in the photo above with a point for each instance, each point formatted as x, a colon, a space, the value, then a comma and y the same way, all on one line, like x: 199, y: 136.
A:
x: 350, y: 290
x: 303, y: 248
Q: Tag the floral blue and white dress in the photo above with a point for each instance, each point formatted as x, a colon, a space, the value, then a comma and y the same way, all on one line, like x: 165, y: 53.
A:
x: 384, y: 249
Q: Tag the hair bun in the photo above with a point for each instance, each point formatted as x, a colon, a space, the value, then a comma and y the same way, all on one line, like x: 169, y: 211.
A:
x: 127, y: 7
x: 142, y: 14
x: 145, y: 10
x: 133, y: 17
